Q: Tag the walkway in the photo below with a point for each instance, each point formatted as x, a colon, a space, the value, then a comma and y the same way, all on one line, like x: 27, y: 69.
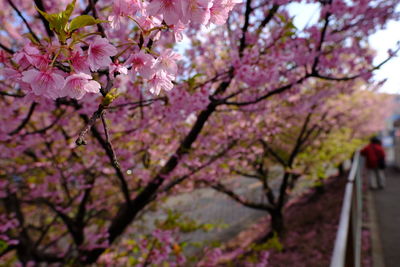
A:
x: 387, y: 206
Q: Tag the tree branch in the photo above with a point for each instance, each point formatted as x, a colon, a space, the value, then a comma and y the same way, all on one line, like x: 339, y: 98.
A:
x: 89, y: 124
x: 245, y: 27
x: 25, y: 121
x: 221, y: 188
x: 89, y: 7
x: 5, y: 48
x: 39, y: 4
x: 24, y: 20
x: 321, y: 41
x: 268, y: 18
x: 114, y: 161
x: 106, y: 145
x: 45, y: 129
x: 273, y: 153
x: 269, y: 94
x: 11, y: 94
x: 100, y: 28
x: 209, y: 162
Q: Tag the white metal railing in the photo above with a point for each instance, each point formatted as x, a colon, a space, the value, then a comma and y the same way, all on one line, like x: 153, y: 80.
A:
x: 347, y: 251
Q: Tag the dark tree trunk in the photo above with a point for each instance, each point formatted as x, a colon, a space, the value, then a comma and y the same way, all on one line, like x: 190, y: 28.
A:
x: 319, y: 188
x: 341, y: 169
x: 277, y: 222
x: 277, y: 226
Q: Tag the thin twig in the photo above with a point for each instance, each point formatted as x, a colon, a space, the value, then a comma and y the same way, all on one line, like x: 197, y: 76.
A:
x: 5, y: 48
x: 114, y: 161
x: 96, y: 115
x: 88, y: 8
x: 11, y: 94
x: 39, y: 4
x: 94, y: 11
x: 24, y: 20
x: 26, y: 120
x: 245, y: 27
x: 195, y: 170
x: 45, y: 129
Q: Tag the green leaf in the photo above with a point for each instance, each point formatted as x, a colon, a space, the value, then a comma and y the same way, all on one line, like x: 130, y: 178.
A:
x: 68, y: 12
x: 110, y: 97
x: 53, y: 19
x: 3, y: 246
x: 58, y: 21
x: 192, y: 80
x: 281, y: 17
x: 82, y: 21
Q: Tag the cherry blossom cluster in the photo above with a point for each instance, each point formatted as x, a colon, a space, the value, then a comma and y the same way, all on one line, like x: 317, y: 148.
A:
x: 39, y: 76
x: 61, y: 69
x: 175, y: 13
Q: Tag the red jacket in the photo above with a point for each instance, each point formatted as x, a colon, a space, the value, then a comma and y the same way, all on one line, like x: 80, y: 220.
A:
x: 372, y: 153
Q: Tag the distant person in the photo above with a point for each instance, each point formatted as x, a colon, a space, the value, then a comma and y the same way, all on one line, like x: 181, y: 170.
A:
x: 375, y: 163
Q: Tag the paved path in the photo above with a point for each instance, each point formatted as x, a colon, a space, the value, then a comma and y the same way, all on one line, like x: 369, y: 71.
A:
x: 387, y: 204
x: 208, y: 206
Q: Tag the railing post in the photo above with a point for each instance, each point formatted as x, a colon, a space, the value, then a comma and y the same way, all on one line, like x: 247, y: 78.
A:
x: 347, y: 251
x: 358, y: 212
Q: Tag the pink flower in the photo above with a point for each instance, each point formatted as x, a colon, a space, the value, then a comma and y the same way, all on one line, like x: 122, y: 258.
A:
x: 122, y: 8
x: 142, y: 63
x: 44, y: 82
x: 161, y: 80
x: 99, y: 53
x: 79, y: 61
x: 117, y: 68
x: 24, y: 58
x: 220, y: 10
x: 11, y: 74
x: 172, y: 10
x: 167, y: 62
x: 77, y: 85
x: 177, y: 30
x: 197, y: 11
x: 3, y: 57
x: 40, y: 61
x: 149, y: 22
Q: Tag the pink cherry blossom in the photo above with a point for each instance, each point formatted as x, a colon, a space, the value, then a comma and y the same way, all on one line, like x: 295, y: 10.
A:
x: 177, y: 29
x: 40, y: 61
x: 167, y: 62
x: 220, y: 10
x: 79, y: 61
x: 142, y: 63
x: 77, y: 85
x: 46, y: 83
x: 3, y: 57
x: 24, y: 57
x: 11, y: 74
x: 160, y: 80
x: 172, y: 10
x: 123, y: 8
x: 197, y: 11
x: 99, y: 53
x: 147, y: 23
x: 117, y: 68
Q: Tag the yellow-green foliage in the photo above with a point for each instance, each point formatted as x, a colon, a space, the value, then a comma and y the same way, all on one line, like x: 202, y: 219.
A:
x: 175, y: 220
x: 272, y: 243
x: 337, y: 147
